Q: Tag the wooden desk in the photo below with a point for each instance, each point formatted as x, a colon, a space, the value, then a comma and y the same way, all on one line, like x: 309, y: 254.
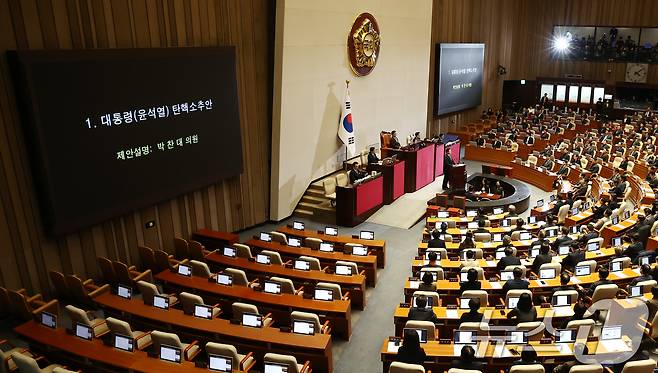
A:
x: 531, y: 175
x: 418, y: 165
x: 280, y: 305
x: 355, y: 203
x: 495, y: 169
x: 450, y: 289
x: 377, y: 246
x: 96, y: 352
x: 488, y: 155
x: 367, y: 263
x: 355, y: 284
x: 315, y: 348
x: 210, y: 238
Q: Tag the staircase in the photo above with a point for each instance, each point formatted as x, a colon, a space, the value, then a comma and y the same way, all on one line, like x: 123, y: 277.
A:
x: 315, y: 206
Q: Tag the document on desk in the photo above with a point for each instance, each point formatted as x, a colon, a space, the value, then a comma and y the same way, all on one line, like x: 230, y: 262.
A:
x: 452, y: 314
x: 613, y: 345
x: 619, y: 274
x: 496, y: 285
x: 563, y: 311
x: 575, y: 280
x: 414, y: 284
x: 392, y: 347
x: 491, y: 263
x: 564, y: 349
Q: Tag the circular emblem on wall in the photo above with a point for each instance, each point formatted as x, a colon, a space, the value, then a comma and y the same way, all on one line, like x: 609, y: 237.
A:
x: 363, y: 44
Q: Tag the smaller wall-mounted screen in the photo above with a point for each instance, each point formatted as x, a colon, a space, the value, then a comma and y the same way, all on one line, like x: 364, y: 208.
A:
x: 560, y: 93
x: 599, y: 92
x: 573, y: 93
x: 546, y: 89
x: 458, y: 77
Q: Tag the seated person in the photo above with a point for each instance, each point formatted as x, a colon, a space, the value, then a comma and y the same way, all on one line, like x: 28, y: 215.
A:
x: 481, y: 227
x: 541, y: 239
x: 467, y: 360
x: 433, y: 259
x: 528, y: 356
x: 395, y: 143
x: 472, y: 315
x: 579, y: 349
x: 633, y: 250
x: 524, y: 311
x: 563, y: 239
x: 645, y: 275
x: 518, y: 282
x: 603, y: 280
x: 468, y: 242
x: 356, y: 174
x: 427, y: 283
x: 436, y: 241
x: 519, y: 225
x: 410, y: 352
x: 421, y: 313
x: 372, y: 157
x: 472, y: 282
x: 508, y: 260
x: 511, y: 209
x: 543, y: 257
x: 652, y: 304
x: 576, y: 256
x: 470, y: 259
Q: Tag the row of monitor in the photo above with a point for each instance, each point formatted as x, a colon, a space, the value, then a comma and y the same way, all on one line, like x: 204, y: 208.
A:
x: 173, y: 354
x: 577, y: 94
x: 521, y: 337
x: 333, y: 231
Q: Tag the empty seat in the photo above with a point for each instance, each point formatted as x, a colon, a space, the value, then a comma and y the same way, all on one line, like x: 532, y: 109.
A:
x: 147, y: 257
x: 398, y: 367
x: 116, y: 326
x: 7, y: 364
x: 313, y: 318
x: 129, y: 275
x: 314, y: 263
x: 244, y: 362
x: 341, y: 179
x: 287, y: 286
x: 639, y: 366
x: 149, y: 290
x: 27, y: 364
x: 279, y: 237
x: 188, y: 350
x: 289, y: 360
x: 108, y: 274
x: 239, y: 277
x: 352, y: 265
x: 313, y: 243
x: 188, y: 301
x: 335, y: 289
x: 200, y: 269
x: 240, y: 308
x: 590, y: 263
x: 482, y: 237
x: 242, y: 250
x: 197, y: 250
x: 181, y: 249
x: 329, y: 185
x: 589, y: 368
x: 275, y: 258
x: 530, y: 368
x: 77, y: 315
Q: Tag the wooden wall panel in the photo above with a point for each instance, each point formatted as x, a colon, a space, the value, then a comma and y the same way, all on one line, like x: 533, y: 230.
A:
x: 517, y: 36
x: 26, y: 253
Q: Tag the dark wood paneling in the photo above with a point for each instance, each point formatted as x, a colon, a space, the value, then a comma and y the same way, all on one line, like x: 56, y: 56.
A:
x: 517, y: 36
x: 26, y: 254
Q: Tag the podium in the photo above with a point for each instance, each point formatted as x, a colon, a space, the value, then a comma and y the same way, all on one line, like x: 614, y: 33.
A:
x: 457, y: 177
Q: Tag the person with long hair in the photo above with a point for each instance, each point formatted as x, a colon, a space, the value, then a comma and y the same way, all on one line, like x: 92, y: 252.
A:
x: 410, y: 352
x: 524, y: 311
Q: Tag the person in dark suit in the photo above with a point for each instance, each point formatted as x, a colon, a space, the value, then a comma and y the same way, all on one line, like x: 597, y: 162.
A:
x: 562, y: 240
x: 481, y: 227
x: 541, y: 239
x: 497, y: 144
x: 550, y: 162
x: 633, y: 250
x: 372, y: 157
x: 436, y: 241
x: 543, y: 257
x: 579, y: 349
x: 528, y: 356
x: 472, y: 315
x: 410, y: 352
x: 472, y: 282
x: 467, y: 360
x: 447, y: 167
x: 643, y: 234
x: 395, y: 143
x: 517, y: 282
x: 355, y: 173
x: 645, y: 275
x: 421, y: 312
x: 576, y: 256
x: 588, y: 233
x: 432, y: 257
x: 603, y: 280
x: 480, y: 141
x: 508, y: 260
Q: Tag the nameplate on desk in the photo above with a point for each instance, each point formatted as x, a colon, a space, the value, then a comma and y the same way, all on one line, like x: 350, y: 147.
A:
x: 405, y: 305
x: 495, y: 285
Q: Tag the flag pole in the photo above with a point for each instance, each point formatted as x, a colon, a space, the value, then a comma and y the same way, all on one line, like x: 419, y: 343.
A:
x: 347, y: 86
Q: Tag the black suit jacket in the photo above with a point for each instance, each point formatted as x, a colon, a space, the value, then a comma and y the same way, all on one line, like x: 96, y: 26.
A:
x: 372, y: 158
x: 571, y: 259
x: 515, y: 284
x: 422, y: 314
x: 474, y: 365
x: 435, y: 243
x: 561, y: 241
x: 633, y: 250
x: 539, y: 260
x: 507, y: 261
x: 470, y: 317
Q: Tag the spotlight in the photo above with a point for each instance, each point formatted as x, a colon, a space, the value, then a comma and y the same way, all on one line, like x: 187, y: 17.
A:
x: 522, y: 81
x: 561, y: 44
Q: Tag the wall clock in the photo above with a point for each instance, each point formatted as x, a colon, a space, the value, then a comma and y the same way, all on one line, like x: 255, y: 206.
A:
x: 637, y: 72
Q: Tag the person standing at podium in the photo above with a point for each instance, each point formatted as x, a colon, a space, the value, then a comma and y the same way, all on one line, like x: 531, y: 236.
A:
x: 447, y: 167
x: 372, y: 157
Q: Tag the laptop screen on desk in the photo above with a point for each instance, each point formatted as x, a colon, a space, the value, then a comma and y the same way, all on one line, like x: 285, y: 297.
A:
x: 253, y: 320
x: 219, y: 363
x: 505, y: 222
x: 359, y: 250
x: 636, y: 291
x: 203, y: 311
x: 592, y: 246
x: 123, y: 342
x: 302, y: 265
x: 472, y: 225
x: 303, y: 327
x: 565, y: 335
x: 561, y: 300
x: 294, y: 242
x: 524, y: 236
x: 506, y: 275
x: 497, y: 211
x: 272, y: 287
x: 326, y: 247
x: 224, y: 279
x: 160, y: 301
x: 275, y: 368
x: 263, y: 259
x: 499, y: 254
x: 547, y: 273
x: 48, y: 319
x: 124, y: 291
x: 184, y: 270
x: 367, y: 235
x: 498, y: 237
x: 512, y: 302
x: 471, y: 213
x: 583, y: 270
x: 265, y: 237
x: 83, y: 331
x: 229, y: 251
x: 532, y: 219
x: 324, y: 294
x: 540, y: 202
x: 563, y: 250
x: 464, y: 337
x: 615, y: 266
x: 331, y: 231
x: 611, y: 332
x: 298, y: 225
x: 422, y: 334
x: 517, y: 337
x: 170, y: 353
x: 343, y: 270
